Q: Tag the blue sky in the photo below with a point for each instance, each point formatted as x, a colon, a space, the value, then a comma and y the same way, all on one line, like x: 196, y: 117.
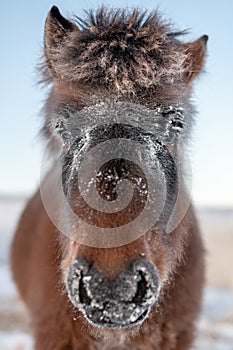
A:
x: 22, y: 25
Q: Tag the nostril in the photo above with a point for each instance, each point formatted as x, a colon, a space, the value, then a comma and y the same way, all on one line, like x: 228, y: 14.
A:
x: 148, y: 285
x: 141, y: 289
x: 83, y: 296
x: 77, y: 283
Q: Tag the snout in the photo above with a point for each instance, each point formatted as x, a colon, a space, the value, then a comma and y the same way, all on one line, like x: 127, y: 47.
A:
x: 122, y: 303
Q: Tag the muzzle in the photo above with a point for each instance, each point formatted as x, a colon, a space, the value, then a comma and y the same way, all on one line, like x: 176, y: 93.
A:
x: 122, y: 303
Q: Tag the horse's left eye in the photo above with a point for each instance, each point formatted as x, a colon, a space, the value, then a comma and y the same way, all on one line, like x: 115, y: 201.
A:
x: 177, y: 124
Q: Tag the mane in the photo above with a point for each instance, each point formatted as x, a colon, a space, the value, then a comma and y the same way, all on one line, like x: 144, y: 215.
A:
x: 120, y: 50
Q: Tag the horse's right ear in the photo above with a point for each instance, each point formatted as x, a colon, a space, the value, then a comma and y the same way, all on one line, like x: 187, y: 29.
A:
x: 56, y: 30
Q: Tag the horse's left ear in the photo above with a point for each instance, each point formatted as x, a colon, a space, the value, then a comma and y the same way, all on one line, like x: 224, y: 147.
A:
x: 195, y: 59
x: 56, y: 30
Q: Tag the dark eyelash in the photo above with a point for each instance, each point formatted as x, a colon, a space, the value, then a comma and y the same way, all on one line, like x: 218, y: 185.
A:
x: 177, y: 124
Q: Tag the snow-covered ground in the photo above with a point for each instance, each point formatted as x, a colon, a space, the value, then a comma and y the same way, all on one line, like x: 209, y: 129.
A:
x: 215, y: 328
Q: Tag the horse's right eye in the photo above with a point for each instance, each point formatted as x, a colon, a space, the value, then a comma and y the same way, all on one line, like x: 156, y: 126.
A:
x: 65, y: 135
x: 66, y: 140
x: 59, y: 125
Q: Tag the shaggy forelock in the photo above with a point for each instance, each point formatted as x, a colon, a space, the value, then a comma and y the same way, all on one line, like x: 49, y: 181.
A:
x: 121, y: 50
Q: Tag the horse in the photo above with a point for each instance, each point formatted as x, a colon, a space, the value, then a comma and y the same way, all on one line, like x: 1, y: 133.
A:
x: 108, y: 253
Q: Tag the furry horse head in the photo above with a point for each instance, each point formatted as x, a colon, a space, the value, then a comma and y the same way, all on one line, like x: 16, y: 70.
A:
x: 119, y: 77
